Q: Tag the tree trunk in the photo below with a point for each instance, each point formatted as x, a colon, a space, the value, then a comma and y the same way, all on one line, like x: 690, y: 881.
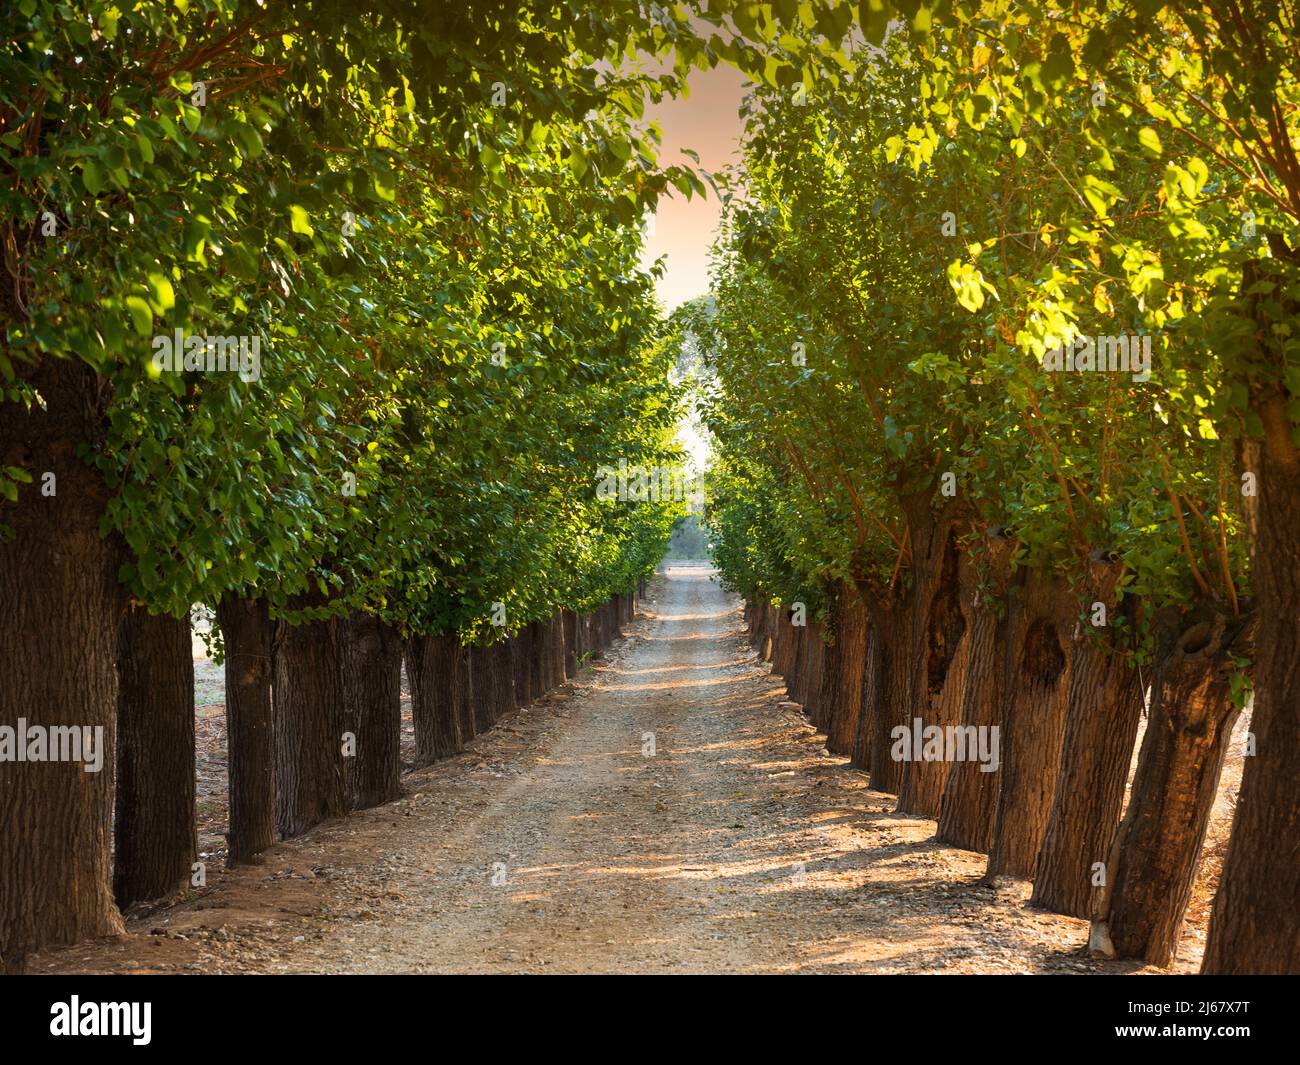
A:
x: 482, y: 688
x: 794, y: 683
x: 429, y: 669
x: 537, y: 660
x: 817, y: 674
x: 58, y: 624
x: 309, y: 712
x: 1104, y: 707
x: 372, y: 689
x: 462, y: 694
x: 1036, y: 689
x: 584, y: 641
x: 767, y: 631
x: 522, y: 659
x: 1254, y: 927
x: 505, y: 679
x: 247, y: 633
x: 869, y: 699
x: 939, y: 678
x: 569, y: 621
x: 969, y: 804
x: 783, y: 651
x: 850, y: 655
x: 1152, y: 862
x: 544, y: 661
x: 829, y: 682
x: 154, y: 835
x: 558, y: 650
x: 892, y: 701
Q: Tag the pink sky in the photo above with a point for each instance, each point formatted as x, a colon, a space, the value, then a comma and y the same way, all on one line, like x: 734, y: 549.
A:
x: 707, y: 122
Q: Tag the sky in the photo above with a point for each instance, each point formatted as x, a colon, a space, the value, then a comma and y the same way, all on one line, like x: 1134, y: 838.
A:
x: 708, y: 122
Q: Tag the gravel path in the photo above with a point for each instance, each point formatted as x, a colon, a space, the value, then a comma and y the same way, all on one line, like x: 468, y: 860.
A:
x: 563, y: 841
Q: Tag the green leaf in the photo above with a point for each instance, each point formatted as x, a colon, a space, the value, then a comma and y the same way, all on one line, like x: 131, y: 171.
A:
x: 385, y: 185
x: 141, y: 315
x: 299, y: 221
x: 162, y: 293
x: 92, y: 176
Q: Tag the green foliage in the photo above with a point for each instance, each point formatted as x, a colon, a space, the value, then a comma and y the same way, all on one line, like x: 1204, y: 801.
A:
x: 928, y: 224
x: 428, y: 221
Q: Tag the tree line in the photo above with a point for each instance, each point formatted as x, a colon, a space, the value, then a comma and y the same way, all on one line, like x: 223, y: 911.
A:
x: 325, y: 316
x: 1006, y: 405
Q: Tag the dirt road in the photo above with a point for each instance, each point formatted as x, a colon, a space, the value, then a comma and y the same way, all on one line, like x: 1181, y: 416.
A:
x: 669, y: 813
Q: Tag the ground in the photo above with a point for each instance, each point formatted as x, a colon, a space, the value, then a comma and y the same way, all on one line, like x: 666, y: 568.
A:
x: 669, y: 811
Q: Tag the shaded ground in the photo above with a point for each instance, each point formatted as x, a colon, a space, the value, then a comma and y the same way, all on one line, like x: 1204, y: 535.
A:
x: 559, y: 843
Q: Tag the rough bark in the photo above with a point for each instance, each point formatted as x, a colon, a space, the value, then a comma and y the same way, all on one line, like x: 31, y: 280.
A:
x: 891, y: 706
x: 1254, y: 927
x: 466, y: 694
x: 569, y: 621
x: 558, y: 655
x: 307, y: 688
x: 482, y: 688
x: 59, y: 606
x: 247, y: 633
x: 372, y: 691
x: 1036, y: 689
x: 538, y: 660
x: 829, y: 684
x: 850, y: 656
x: 814, y: 656
x: 795, y: 682
x: 969, y: 804
x: 522, y: 659
x: 785, y: 645
x: 942, y: 650
x: 505, y: 679
x: 430, y: 669
x: 1104, y: 707
x: 767, y: 639
x: 154, y: 832
x: 545, y: 656
x: 1152, y: 863
x: 869, y: 701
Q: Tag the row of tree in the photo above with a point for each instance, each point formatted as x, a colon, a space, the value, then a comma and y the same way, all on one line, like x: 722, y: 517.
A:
x: 1007, y: 399
x: 326, y: 316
